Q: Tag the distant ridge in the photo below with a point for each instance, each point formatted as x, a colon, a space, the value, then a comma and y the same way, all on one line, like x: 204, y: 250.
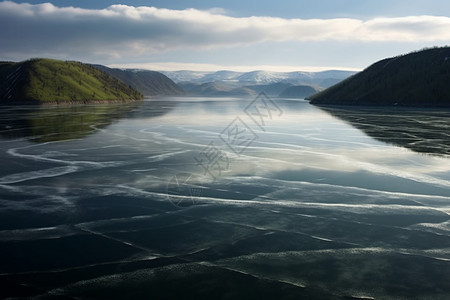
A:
x: 149, y: 83
x: 418, y: 79
x: 43, y: 81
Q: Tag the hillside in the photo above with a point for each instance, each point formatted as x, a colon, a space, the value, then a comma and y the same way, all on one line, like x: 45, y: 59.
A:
x: 55, y: 81
x: 419, y: 79
x: 149, y: 83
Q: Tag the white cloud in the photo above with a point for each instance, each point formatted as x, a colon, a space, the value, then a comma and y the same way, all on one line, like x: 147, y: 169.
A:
x: 411, y: 28
x: 126, y: 31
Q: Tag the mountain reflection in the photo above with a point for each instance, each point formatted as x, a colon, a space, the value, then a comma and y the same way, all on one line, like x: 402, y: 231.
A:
x: 424, y: 131
x: 48, y: 124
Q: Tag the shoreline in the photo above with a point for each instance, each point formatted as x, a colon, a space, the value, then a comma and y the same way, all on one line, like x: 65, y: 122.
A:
x: 65, y: 103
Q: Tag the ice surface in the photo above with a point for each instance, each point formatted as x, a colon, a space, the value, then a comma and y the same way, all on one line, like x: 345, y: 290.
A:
x: 321, y: 204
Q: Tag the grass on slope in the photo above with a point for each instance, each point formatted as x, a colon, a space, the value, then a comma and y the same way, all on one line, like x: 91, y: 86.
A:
x: 50, y: 80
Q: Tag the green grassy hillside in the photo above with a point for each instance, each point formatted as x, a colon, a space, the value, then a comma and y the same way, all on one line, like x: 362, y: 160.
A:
x: 55, y: 81
x: 420, y: 79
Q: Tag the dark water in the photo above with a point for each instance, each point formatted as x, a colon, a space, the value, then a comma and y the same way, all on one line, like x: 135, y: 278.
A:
x: 184, y: 198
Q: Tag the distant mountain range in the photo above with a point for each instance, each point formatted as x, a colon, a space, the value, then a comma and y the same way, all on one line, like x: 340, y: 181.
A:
x: 418, y: 79
x: 322, y: 79
x: 230, y: 83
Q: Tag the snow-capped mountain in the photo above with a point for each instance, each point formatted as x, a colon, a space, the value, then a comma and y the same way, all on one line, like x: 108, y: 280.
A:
x: 223, y: 83
x: 265, y: 77
x: 185, y: 76
x: 259, y: 77
x: 221, y: 76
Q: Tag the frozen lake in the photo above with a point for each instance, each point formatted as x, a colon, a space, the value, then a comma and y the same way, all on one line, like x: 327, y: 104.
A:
x: 224, y: 198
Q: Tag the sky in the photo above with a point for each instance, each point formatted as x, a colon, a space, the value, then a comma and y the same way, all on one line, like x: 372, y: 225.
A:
x: 283, y: 35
